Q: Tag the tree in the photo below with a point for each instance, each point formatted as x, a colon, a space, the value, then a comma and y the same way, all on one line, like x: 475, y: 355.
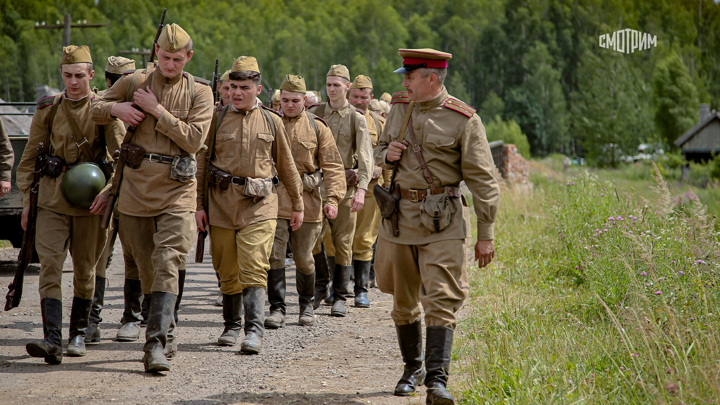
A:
x: 676, y: 100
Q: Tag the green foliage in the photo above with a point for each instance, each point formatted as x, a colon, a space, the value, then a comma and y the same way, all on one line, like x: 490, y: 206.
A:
x: 492, y: 107
x: 508, y: 132
x: 676, y: 99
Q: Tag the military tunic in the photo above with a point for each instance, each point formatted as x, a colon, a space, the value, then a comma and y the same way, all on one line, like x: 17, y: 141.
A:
x: 7, y: 158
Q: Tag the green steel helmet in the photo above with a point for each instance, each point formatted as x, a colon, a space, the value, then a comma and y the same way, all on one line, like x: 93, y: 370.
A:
x: 82, y: 184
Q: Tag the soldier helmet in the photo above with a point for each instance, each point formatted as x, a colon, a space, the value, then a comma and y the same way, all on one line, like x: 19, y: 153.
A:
x: 82, y: 184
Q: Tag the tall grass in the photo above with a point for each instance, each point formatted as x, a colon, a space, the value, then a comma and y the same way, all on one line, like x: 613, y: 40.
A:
x: 597, y: 295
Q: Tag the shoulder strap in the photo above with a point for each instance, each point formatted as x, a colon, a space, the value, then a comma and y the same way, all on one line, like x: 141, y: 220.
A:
x: 269, y: 120
x: 416, y: 148
x: 214, y: 127
x: 313, y: 124
x: 401, y: 136
x: 78, y: 137
x: 320, y: 112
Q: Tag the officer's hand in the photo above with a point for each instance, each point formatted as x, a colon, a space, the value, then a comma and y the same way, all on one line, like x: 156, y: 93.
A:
x: 484, y: 252
x: 146, y: 99
x: 358, y: 200
x: 127, y: 113
x: 394, y: 150
x: 377, y: 171
x: 4, y: 187
x: 98, y: 206
x: 201, y: 220
x: 330, y: 211
x: 24, y: 219
x: 296, y: 219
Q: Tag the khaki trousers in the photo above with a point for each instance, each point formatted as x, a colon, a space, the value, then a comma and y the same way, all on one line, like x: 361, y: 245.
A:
x: 433, y: 274
x: 158, y: 246
x: 301, y: 242
x: 368, y: 224
x: 55, y: 235
x: 101, y: 268
x: 338, y: 234
x: 241, y: 257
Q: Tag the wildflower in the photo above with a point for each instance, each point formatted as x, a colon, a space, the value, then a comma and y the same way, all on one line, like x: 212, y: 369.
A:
x: 611, y: 218
x: 622, y: 368
x: 700, y: 262
x: 577, y: 267
x: 602, y: 195
x: 682, y: 273
x: 642, y: 273
x: 658, y: 292
x: 630, y: 231
x: 619, y: 218
x: 605, y: 230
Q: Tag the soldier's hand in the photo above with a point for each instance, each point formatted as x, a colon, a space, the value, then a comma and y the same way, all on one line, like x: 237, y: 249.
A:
x: 146, y: 100
x: 99, y: 204
x: 377, y: 171
x: 330, y: 211
x: 24, y: 218
x: 4, y: 187
x: 201, y: 220
x: 296, y: 219
x: 358, y: 201
x: 394, y: 150
x: 127, y: 113
x: 484, y: 252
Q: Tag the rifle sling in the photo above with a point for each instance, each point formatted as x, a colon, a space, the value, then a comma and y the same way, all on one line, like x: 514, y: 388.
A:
x: 418, y: 152
x: 80, y: 140
x: 400, y: 138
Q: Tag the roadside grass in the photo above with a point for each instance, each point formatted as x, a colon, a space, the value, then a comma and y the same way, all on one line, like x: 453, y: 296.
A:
x: 599, y: 293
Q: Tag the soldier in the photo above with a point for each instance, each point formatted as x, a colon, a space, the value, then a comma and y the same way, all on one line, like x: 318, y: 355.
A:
x: 353, y: 141
x: 6, y: 161
x: 314, y: 150
x: 223, y: 87
x: 386, y: 97
x: 312, y: 99
x: 62, y: 123
x: 243, y: 202
x: 368, y: 218
x: 158, y: 195
x: 275, y: 102
x: 423, y: 259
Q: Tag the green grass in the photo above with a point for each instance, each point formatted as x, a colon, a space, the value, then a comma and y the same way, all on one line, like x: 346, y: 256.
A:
x: 604, y: 290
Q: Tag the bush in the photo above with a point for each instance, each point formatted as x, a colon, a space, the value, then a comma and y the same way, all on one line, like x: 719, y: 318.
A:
x: 508, y: 132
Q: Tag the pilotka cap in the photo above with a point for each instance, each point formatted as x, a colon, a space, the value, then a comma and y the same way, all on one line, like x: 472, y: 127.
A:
x: 245, y: 64
x: 362, y: 82
x: 173, y: 38
x: 293, y: 83
x: 339, y: 71
x: 76, y: 54
x: 119, y: 64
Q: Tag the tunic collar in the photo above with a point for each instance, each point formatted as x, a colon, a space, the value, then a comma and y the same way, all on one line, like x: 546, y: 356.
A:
x: 79, y: 101
x: 164, y: 80
x: 435, y: 102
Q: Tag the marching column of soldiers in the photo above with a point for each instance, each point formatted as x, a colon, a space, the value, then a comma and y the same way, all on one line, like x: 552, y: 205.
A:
x: 257, y: 179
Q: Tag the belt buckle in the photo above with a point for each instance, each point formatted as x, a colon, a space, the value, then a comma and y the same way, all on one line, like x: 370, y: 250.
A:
x: 155, y: 158
x: 413, y: 195
x: 83, y: 142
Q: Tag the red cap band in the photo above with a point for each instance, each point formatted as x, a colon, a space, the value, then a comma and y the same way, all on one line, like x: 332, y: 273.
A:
x: 431, y: 63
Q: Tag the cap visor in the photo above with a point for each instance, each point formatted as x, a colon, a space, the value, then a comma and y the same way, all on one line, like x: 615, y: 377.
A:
x: 402, y: 70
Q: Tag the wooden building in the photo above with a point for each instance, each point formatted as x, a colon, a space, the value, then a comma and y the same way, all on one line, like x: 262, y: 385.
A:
x: 702, y: 141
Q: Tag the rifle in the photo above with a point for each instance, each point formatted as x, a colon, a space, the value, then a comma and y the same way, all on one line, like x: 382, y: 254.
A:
x: 214, y: 82
x: 117, y: 179
x: 12, y: 299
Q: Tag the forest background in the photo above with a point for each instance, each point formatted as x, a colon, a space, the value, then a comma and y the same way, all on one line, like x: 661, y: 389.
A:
x: 533, y: 68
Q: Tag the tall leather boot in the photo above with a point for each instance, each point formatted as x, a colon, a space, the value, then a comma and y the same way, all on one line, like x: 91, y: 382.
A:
x: 145, y: 309
x: 93, y: 330
x: 437, y: 363
x: 341, y: 289
x: 130, y: 323
x: 181, y: 287
x: 232, y: 315
x: 276, y: 296
x: 51, y: 346
x: 79, y: 320
x: 373, y: 283
x: 254, y: 302
x: 411, y: 349
x: 362, y: 276
x: 322, y: 278
x: 305, y: 283
x: 162, y: 306
x: 331, y: 265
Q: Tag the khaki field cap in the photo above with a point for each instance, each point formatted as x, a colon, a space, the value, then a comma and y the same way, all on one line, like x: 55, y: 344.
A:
x: 276, y: 96
x: 173, y: 38
x: 362, y: 82
x: 293, y: 83
x: 245, y: 64
x: 225, y: 77
x: 118, y: 65
x: 422, y: 58
x: 386, y: 97
x: 339, y: 71
x: 76, y: 54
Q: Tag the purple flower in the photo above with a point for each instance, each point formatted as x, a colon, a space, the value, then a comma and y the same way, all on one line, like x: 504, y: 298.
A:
x: 700, y: 262
x: 602, y: 195
x: 605, y: 230
x: 682, y: 273
x: 577, y: 267
x: 642, y: 273
x: 658, y: 292
x: 630, y: 231
x: 611, y: 219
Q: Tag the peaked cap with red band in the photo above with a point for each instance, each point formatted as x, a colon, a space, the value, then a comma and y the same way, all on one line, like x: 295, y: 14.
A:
x: 422, y: 58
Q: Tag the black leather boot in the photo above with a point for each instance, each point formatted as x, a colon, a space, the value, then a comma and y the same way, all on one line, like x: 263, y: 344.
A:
x: 322, y: 278
x: 276, y: 296
x: 341, y: 289
x: 437, y: 363
x: 305, y: 283
x: 254, y: 302
x: 181, y: 287
x: 145, y: 309
x: 93, y: 330
x: 79, y: 320
x: 130, y: 323
x: 51, y: 346
x: 411, y: 349
x: 232, y: 306
x: 331, y: 265
x: 362, y: 276
x: 162, y: 306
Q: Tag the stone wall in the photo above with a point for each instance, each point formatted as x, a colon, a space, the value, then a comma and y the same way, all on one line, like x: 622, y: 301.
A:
x: 515, y: 168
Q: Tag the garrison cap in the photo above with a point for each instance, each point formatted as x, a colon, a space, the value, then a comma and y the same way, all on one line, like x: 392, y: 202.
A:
x: 173, y: 38
x: 76, y: 54
x: 293, y: 83
x: 119, y: 64
x: 225, y: 77
x: 422, y: 58
x: 386, y: 97
x: 339, y: 71
x: 276, y: 96
x: 375, y: 106
x: 245, y: 64
x: 362, y: 82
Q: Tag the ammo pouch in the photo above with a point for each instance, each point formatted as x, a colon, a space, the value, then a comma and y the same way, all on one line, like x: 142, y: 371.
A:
x: 183, y: 168
x: 218, y: 178
x: 311, y: 181
x: 436, y: 212
x: 132, y: 155
x: 388, y: 202
x: 53, y: 166
x: 258, y: 188
x: 351, y: 177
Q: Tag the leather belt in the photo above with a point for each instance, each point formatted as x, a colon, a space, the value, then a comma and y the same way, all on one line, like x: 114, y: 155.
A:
x: 418, y: 195
x: 158, y: 158
x: 240, y: 181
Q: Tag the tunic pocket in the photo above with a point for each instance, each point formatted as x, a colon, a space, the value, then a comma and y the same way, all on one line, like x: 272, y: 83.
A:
x: 180, y: 114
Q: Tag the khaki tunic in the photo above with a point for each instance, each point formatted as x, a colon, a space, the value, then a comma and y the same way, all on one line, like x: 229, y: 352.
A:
x: 455, y: 148
x: 7, y: 158
x: 313, y: 151
x: 245, y: 147
x: 148, y: 190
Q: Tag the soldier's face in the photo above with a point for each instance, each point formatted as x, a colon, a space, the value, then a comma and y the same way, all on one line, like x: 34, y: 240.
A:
x: 172, y: 64
x: 243, y: 94
x: 225, y: 93
x: 419, y: 88
x: 337, y: 88
x: 276, y: 106
x: 76, y: 78
x: 292, y: 103
x: 360, y: 98
x: 310, y: 101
